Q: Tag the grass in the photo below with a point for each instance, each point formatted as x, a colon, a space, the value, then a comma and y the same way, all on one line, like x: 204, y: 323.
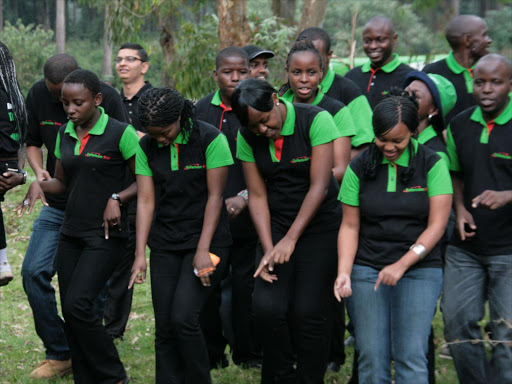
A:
x: 21, y: 350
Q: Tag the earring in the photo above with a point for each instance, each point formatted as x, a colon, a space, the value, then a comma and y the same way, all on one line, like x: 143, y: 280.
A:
x: 430, y: 116
x: 277, y: 103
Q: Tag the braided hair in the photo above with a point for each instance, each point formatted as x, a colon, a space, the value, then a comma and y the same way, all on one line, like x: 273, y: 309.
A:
x: 10, y: 84
x: 303, y: 45
x: 160, y: 107
x: 397, y: 108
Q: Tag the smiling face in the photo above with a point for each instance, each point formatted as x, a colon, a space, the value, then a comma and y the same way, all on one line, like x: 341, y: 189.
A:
x: 425, y: 100
x: 231, y: 71
x: 268, y: 124
x: 165, y: 135
x: 304, y: 74
x: 378, y: 42
x: 259, y: 68
x: 491, y: 86
x: 79, y: 104
x: 394, y: 142
x: 129, y: 66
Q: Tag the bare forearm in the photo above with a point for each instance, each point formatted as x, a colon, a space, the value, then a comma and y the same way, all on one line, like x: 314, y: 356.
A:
x: 458, y: 192
x: 212, y: 214
x: 145, y: 210
x: 35, y: 158
x: 348, y: 241
x: 129, y: 193
x: 260, y: 214
x: 53, y: 187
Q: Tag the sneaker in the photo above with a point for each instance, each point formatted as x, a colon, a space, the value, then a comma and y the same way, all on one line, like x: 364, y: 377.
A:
x: 5, y: 274
x: 444, y: 353
x: 48, y: 369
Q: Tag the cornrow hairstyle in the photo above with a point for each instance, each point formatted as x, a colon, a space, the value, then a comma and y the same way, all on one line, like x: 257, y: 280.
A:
x: 87, y: 78
x: 136, y: 47
x: 299, y: 46
x: 254, y: 93
x: 58, y: 67
x: 10, y: 84
x: 315, y: 33
x: 161, y: 107
x: 397, y: 108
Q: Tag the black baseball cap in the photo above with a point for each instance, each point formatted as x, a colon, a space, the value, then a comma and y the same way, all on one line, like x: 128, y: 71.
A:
x: 254, y: 51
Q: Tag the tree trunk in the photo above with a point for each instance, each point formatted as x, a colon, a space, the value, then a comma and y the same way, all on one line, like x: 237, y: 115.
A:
x: 455, y: 7
x: 60, y: 26
x: 233, y: 25
x: 15, y: 10
x: 284, y: 9
x: 106, y: 67
x: 167, y: 41
x: 313, y: 12
x: 1, y: 16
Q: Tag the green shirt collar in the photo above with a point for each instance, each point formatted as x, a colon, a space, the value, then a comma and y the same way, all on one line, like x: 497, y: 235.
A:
x: 216, y: 98
x: 454, y: 65
x: 98, y: 129
x: 327, y: 81
x: 180, y: 139
x: 389, y: 67
x: 502, y: 119
x: 427, y: 134
x: 403, y: 160
x: 289, y: 95
x: 289, y: 123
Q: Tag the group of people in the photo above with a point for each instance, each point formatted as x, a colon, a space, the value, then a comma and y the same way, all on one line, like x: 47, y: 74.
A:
x: 268, y: 211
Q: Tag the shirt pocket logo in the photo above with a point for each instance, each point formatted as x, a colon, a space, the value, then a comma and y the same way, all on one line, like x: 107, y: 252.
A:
x: 417, y: 188
x: 502, y: 155
x: 301, y: 159
x: 194, y: 166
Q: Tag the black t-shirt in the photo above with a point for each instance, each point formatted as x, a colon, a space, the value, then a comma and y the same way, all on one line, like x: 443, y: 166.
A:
x: 481, y: 154
x: 45, y: 117
x: 9, y: 134
x: 131, y: 106
x: 94, y: 168
x: 179, y: 174
x: 375, y: 83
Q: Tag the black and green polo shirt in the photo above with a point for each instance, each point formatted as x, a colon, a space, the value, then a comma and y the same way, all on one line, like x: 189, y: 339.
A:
x: 285, y: 164
x: 9, y: 134
x: 339, y: 112
x: 376, y: 82
x: 212, y: 110
x: 179, y: 174
x: 95, y: 168
x: 394, y: 213
x: 460, y: 77
x: 429, y: 138
x: 344, y: 90
x: 481, y: 154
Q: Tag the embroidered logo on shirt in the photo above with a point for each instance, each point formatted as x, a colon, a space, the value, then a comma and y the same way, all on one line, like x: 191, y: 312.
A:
x: 49, y: 122
x: 417, y: 188
x: 97, y: 155
x: 301, y: 159
x: 383, y: 93
x: 194, y: 166
x: 502, y: 155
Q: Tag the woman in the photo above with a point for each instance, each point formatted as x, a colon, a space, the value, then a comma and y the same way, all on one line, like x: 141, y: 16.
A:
x: 436, y: 97
x: 185, y: 161
x: 286, y: 151
x: 304, y: 69
x: 92, y: 152
x: 396, y: 201
x: 13, y: 125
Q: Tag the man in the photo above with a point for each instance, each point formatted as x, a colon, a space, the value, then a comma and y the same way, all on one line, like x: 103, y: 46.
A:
x: 468, y: 38
x: 46, y: 115
x: 258, y: 61
x: 478, y: 265
x: 383, y: 69
x: 132, y: 63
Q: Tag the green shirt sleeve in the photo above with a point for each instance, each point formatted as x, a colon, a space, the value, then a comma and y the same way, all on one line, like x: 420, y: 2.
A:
x: 129, y: 142
x: 439, y: 181
x: 452, y: 152
x: 349, y: 191
x: 218, y: 153
x: 361, y: 113
x: 57, y: 147
x: 344, y: 122
x: 323, y: 129
x: 141, y: 163
x: 243, y: 149
x: 445, y: 157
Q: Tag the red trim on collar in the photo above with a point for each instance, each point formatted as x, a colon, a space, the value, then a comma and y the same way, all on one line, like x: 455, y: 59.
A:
x: 83, y: 142
x: 373, y: 72
x: 278, y: 145
x: 224, y: 110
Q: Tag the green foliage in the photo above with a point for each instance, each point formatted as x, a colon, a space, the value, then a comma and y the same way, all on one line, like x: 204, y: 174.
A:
x: 30, y: 47
x: 500, y: 28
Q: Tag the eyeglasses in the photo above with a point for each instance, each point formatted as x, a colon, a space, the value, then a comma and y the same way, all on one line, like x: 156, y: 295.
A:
x: 129, y: 59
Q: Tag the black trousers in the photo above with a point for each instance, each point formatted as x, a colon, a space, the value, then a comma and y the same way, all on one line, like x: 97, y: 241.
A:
x: 84, y: 266
x: 119, y: 297
x: 292, y: 313
x: 178, y: 296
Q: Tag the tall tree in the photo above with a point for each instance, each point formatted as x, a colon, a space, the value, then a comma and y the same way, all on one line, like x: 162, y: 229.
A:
x: 60, y: 26
x: 284, y: 9
x: 313, y: 13
x: 233, y: 26
x: 106, y: 67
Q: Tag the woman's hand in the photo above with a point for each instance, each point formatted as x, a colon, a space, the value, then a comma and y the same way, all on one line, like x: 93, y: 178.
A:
x: 235, y: 205
x: 111, y: 216
x: 265, y: 267
x: 390, y: 274
x: 283, y: 250
x: 201, y: 262
x: 34, y: 192
x: 138, y: 271
x: 342, y: 286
